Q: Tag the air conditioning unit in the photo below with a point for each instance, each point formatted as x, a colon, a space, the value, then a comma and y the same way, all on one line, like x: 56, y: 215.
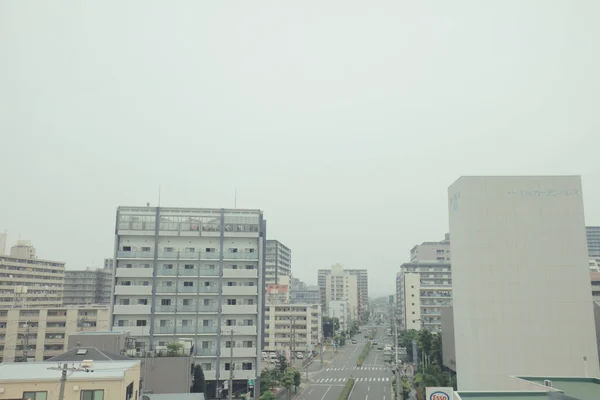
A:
x: 547, y: 383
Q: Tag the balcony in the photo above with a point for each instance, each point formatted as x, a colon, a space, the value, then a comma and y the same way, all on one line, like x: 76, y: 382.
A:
x: 207, y: 329
x: 168, y: 254
x: 188, y: 272
x: 239, y: 352
x: 134, y: 330
x: 239, y: 273
x: 186, y: 329
x: 139, y: 309
x: 240, y: 290
x: 164, y: 330
x: 166, y: 289
x: 209, y: 272
x: 167, y: 309
x: 209, y: 289
x: 194, y: 309
x: 135, y: 254
x: 239, y: 309
x: 211, y: 352
x: 241, y: 374
x: 166, y: 272
x: 134, y: 273
x: 240, y: 256
x: 239, y: 329
x: 133, y: 290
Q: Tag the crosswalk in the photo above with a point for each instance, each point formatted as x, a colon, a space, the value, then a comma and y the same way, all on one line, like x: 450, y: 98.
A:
x: 359, y: 368
x: 359, y: 379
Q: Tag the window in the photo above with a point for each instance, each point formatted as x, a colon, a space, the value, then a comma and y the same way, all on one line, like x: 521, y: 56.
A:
x: 186, y: 322
x: 92, y: 395
x: 231, y: 283
x: 227, y: 366
x: 188, y: 266
x: 188, y: 283
x: 140, y: 322
x: 164, y: 322
x: 186, y: 302
x: 168, y: 249
x: 207, y: 302
x: 231, y: 302
x: 249, y: 266
x: 247, y: 366
x: 248, y: 322
x: 168, y: 266
x: 248, y: 344
x: 126, y: 248
x: 190, y: 249
x: 230, y: 322
x: 167, y: 283
x: 143, y: 302
x: 124, y: 302
x: 146, y: 249
x: 35, y: 395
x: 207, y: 366
x: 165, y: 302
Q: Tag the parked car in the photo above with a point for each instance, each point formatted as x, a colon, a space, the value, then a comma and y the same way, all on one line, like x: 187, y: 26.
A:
x: 264, y: 355
x: 299, y: 355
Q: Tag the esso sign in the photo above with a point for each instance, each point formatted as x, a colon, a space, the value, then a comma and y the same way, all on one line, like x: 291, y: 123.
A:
x: 439, y: 396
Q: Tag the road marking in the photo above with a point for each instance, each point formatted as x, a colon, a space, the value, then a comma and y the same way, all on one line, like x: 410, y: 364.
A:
x: 366, y: 398
x: 328, y: 389
x: 310, y: 391
x: 368, y: 390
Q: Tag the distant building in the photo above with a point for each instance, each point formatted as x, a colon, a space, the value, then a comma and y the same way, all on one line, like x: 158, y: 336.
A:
x: 422, y: 289
x: 37, y: 334
x: 278, y: 262
x: 362, y: 287
x: 432, y: 251
x: 2, y: 243
x: 277, y: 294
x: 302, y: 322
x: 109, y: 263
x: 342, y: 286
x: 340, y: 309
x: 114, y: 380
x: 593, y: 242
x: 305, y: 295
x: 89, y: 286
x: 515, y: 242
x: 27, y: 281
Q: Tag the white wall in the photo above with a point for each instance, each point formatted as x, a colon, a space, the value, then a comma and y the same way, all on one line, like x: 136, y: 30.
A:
x: 412, y: 301
x: 522, y: 301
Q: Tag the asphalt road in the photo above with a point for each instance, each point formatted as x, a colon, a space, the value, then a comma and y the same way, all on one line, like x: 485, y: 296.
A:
x: 372, y: 381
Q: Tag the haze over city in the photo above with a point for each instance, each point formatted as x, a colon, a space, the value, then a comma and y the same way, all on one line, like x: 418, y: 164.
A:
x: 344, y: 121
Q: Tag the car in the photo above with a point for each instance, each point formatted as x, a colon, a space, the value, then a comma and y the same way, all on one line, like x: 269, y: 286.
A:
x: 353, y: 341
x: 299, y: 355
x: 264, y: 355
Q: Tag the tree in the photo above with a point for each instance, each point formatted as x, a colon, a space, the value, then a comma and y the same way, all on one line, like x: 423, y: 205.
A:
x: 288, y: 381
x: 283, y: 364
x: 199, y: 385
x: 267, y: 380
x: 297, y: 380
x: 268, y: 395
x: 174, y: 349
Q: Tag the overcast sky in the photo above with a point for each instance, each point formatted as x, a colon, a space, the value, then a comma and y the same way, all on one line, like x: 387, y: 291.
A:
x: 345, y: 121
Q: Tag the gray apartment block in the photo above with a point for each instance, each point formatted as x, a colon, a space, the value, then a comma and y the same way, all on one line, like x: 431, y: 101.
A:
x: 305, y: 295
x: 432, y: 251
x: 362, y: 283
x: 88, y: 286
x: 278, y: 261
x: 593, y: 242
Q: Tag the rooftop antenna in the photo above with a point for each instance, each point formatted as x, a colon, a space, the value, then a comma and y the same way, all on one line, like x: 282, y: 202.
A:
x: 235, y: 198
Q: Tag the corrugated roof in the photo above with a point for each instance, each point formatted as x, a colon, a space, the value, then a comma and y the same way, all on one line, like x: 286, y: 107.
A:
x: 38, y: 371
x: 88, y: 353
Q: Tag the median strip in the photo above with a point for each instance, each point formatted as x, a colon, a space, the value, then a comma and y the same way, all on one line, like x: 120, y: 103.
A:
x: 363, y: 355
x: 345, y: 395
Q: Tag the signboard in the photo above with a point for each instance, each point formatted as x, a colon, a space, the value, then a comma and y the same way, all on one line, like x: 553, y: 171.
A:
x: 439, y: 393
x: 250, y: 382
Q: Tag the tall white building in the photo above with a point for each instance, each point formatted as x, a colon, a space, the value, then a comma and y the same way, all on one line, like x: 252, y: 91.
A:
x: 522, y: 301
x: 292, y: 327
x: 193, y: 274
x: 422, y: 289
x: 340, y: 309
x: 278, y: 262
x: 341, y: 286
x: 432, y: 251
x: 362, y: 286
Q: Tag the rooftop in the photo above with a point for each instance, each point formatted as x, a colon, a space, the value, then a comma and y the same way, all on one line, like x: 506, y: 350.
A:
x: 39, y: 371
x: 574, y: 388
x: 88, y: 353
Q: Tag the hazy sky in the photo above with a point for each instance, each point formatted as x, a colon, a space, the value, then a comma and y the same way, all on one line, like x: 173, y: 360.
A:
x: 345, y: 121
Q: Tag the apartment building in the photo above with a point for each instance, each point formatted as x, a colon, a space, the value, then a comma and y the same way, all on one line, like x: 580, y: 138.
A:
x: 362, y: 285
x: 26, y: 281
x: 515, y: 242
x: 88, y: 286
x: 340, y: 309
x: 277, y: 294
x: 432, y: 251
x: 193, y: 274
x: 422, y: 289
x: 36, y: 334
x: 305, y: 295
x: 342, y: 286
x: 302, y: 322
x: 278, y: 262
x: 593, y: 242
x: 109, y: 263
x: 98, y: 380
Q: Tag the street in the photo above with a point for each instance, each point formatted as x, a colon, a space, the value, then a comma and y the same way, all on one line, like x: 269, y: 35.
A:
x: 372, y: 381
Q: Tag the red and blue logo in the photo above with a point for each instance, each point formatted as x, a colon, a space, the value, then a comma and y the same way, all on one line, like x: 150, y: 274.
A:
x: 439, y: 396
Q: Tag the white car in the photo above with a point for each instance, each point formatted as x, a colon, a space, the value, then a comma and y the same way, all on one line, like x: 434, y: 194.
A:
x: 264, y: 355
x: 299, y: 355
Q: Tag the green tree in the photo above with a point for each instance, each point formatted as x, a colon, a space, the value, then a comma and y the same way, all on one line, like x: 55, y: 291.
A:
x: 405, y: 388
x: 268, y: 395
x: 174, y: 349
x: 425, y: 340
x: 199, y: 385
x: 288, y: 381
x: 282, y: 366
x: 297, y: 380
x: 267, y: 380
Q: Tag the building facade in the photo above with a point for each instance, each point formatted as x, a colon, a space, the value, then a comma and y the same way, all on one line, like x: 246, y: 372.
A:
x: 422, y: 289
x: 278, y: 262
x: 26, y: 281
x: 36, y: 334
x: 362, y: 285
x: 342, y: 286
x: 515, y: 242
x: 432, y: 251
x: 277, y: 294
x: 89, y: 286
x: 292, y: 327
x: 593, y: 242
x: 305, y: 295
x: 340, y: 309
x: 196, y: 275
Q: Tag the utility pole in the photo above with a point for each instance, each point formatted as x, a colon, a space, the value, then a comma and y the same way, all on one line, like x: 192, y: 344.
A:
x: 398, y: 380
x: 26, y: 341
x: 84, y: 366
x: 230, y: 392
x: 63, y: 381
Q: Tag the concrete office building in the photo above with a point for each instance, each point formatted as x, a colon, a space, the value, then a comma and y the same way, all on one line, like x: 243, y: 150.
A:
x: 196, y: 275
x: 422, y: 289
x: 516, y: 241
x: 2, y: 243
x: 277, y: 294
x: 302, y: 322
x: 341, y: 286
x: 305, y: 295
x: 88, y: 286
x: 109, y: 263
x: 26, y: 281
x: 37, y: 334
x: 593, y: 242
x: 362, y: 284
x: 340, y: 309
x: 431, y: 251
x: 278, y: 262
